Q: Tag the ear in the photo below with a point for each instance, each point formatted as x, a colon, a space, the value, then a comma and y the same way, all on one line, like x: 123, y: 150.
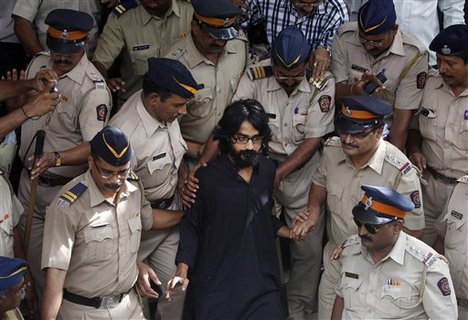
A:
x: 379, y: 132
x: 195, y: 27
x: 397, y: 226
x: 90, y: 162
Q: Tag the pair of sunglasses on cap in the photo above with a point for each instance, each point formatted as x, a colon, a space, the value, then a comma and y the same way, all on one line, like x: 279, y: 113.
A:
x: 372, y: 228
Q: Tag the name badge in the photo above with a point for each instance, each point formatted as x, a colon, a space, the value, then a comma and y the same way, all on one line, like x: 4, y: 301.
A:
x: 140, y: 47
x: 358, y: 68
x: 159, y: 156
x: 271, y: 115
x: 351, y: 275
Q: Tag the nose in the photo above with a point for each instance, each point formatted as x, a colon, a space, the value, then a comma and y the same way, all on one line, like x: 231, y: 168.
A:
x: 442, y: 67
x: 182, y: 110
x: 249, y: 145
x: 362, y: 231
x: 347, y: 138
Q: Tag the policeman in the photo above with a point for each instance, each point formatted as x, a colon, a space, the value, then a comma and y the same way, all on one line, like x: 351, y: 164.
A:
x: 82, y: 112
x: 94, y: 228
x: 453, y: 240
x: 440, y: 146
x: 386, y: 273
x: 149, y: 118
x: 300, y: 113
x: 139, y: 31
x: 216, y: 60
x: 373, y: 45
x: 12, y: 285
x: 358, y: 156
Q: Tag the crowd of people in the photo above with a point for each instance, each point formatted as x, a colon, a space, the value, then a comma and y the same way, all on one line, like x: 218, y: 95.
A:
x: 233, y: 159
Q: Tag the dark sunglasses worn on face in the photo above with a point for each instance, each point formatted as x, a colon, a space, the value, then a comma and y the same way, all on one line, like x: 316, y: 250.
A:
x: 372, y: 228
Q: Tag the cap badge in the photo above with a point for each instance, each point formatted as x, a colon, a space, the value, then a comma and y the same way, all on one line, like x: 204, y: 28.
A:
x: 348, y: 112
x: 226, y: 22
x: 368, y: 203
x: 446, y: 49
x: 64, y: 35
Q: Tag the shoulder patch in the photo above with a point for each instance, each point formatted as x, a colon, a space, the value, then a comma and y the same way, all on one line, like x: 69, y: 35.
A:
x: 421, y: 80
x: 132, y: 176
x: 67, y: 199
x: 416, y: 199
x: 333, y: 141
x: 444, y: 286
x: 260, y: 72
x: 324, y: 103
x: 403, y: 165
x: 463, y: 179
x: 123, y: 7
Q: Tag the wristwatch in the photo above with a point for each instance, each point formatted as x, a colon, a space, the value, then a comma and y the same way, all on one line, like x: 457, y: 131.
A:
x: 58, y: 159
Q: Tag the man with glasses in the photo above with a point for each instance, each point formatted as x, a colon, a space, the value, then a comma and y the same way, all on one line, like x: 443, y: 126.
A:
x: 149, y: 118
x: 83, y: 110
x: 93, y: 230
x: 386, y: 273
x: 374, y: 45
x: 300, y: 112
x: 358, y: 156
x: 12, y: 287
x: 227, y: 238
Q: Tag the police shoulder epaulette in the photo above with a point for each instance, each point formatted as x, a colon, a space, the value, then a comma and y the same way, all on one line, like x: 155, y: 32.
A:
x: 98, y: 80
x: 333, y: 141
x: 463, y: 179
x: 347, y: 27
x: 412, y: 41
x: 123, y: 7
x: 42, y: 53
x: 354, y: 239
x: 421, y: 253
x: 403, y: 165
x: 132, y: 176
x: 319, y: 84
x: 259, y: 72
x: 70, y: 196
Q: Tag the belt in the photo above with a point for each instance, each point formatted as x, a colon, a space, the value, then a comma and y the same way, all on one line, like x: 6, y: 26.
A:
x: 462, y: 303
x: 96, y: 302
x: 441, y: 177
x: 55, y: 181
x: 162, y: 203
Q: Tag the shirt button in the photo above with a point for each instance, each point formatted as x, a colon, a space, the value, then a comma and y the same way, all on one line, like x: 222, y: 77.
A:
x: 285, y: 124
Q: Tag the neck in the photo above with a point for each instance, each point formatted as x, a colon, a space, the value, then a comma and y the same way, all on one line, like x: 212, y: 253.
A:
x: 246, y: 173
x: 360, y: 160
x: 458, y: 90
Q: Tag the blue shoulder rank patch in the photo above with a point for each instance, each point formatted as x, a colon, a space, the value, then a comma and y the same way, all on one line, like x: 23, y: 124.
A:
x: 123, y: 7
x: 261, y: 72
x: 66, y: 199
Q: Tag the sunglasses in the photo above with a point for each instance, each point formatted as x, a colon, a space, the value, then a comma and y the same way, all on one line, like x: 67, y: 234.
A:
x: 372, y: 228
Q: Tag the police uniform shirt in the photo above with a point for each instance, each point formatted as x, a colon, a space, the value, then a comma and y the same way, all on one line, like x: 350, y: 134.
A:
x: 388, y: 167
x: 36, y: 11
x: 82, y: 112
x: 10, y: 213
x: 444, y: 128
x: 392, y: 288
x: 95, y: 241
x: 159, y: 147
x: 406, y: 64
x: 218, y: 82
x: 307, y: 113
x: 141, y: 36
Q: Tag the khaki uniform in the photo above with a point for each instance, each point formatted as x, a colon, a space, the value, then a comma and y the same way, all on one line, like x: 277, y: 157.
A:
x: 411, y: 282
x: 97, y: 243
x: 406, y: 64
x: 159, y: 149
x: 10, y: 214
x: 83, y: 111
x: 140, y: 36
x: 36, y: 12
x: 219, y: 83
x: 388, y: 167
x: 445, y: 145
x: 456, y: 243
x: 307, y: 113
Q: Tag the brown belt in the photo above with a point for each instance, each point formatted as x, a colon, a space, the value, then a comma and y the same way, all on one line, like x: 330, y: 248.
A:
x: 462, y: 303
x: 162, y: 203
x: 441, y: 177
x: 55, y: 181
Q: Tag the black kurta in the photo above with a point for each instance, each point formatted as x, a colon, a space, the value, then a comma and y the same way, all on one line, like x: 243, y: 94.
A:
x: 227, y: 239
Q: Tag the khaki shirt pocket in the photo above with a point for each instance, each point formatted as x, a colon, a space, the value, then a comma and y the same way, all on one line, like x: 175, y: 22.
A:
x: 349, y: 287
x: 140, y: 59
x: 274, y: 124
x: 135, y: 233
x: 428, y: 126
x: 200, y: 105
x: 334, y: 198
x: 64, y: 115
x: 159, y: 165
x: 99, y: 241
x: 399, y: 300
x: 455, y: 237
x: 463, y: 135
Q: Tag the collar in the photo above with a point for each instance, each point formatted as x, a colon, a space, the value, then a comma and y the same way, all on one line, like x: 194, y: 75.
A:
x: 95, y: 195
x: 78, y: 72
x: 150, y: 124
x: 397, y: 47
x: 444, y: 86
x: 375, y: 162
x: 194, y: 57
x: 146, y: 16
x: 303, y: 86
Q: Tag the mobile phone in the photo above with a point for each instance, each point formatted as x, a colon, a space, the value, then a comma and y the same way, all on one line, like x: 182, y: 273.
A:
x: 54, y: 89
x: 371, y: 86
x: 156, y: 287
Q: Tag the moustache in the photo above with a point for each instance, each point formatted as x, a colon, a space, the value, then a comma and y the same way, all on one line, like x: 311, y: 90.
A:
x: 113, y: 186
x: 350, y: 145
x: 65, y: 62
x: 366, y: 238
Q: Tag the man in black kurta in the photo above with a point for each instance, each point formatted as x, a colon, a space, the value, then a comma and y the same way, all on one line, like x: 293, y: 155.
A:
x: 227, y: 238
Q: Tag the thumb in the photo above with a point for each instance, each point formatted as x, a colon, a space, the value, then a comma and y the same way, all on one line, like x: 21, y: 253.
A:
x: 153, y: 276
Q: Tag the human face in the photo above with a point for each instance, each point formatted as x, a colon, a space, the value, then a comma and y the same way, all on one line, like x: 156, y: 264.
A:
x: 289, y: 79
x: 108, y: 178
x: 246, y: 144
x: 204, y: 42
x: 156, y: 7
x: 360, y: 146
x: 14, y: 296
x: 306, y: 7
x: 453, y: 70
x: 378, y: 43
x: 65, y: 63
x: 384, y: 237
x: 167, y: 110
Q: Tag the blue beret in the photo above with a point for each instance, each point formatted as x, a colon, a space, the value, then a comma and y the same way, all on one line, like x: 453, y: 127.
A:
x: 290, y: 48
x: 172, y: 75
x: 218, y: 17
x: 376, y: 16
x: 380, y: 205
x: 359, y: 113
x: 12, y: 271
x: 112, y: 146
x: 68, y: 30
x: 452, y: 40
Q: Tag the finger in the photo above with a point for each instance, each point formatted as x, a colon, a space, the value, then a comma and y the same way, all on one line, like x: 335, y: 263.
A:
x: 153, y: 276
x: 185, y: 284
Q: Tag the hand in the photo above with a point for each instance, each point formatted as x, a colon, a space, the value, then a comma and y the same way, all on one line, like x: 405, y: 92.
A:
x: 31, y: 298
x: 173, y: 283
x: 301, y: 217
x: 116, y: 84
x: 44, y: 80
x: 359, y: 84
x: 41, y: 164
x: 302, y: 228
x: 278, y: 179
x: 336, y: 253
x: 145, y: 273
x: 109, y: 3
x: 188, y: 189
x: 320, y: 61
x: 418, y: 159
x: 41, y: 104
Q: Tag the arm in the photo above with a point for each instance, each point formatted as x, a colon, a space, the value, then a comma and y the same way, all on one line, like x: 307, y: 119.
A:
x: 317, y: 197
x: 452, y: 11
x: 399, y: 128
x: 338, y: 306
x: 439, y: 244
x: 25, y: 32
x: 165, y: 219
x: 52, y: 293
x: 413, y: 148
x: 43, y: 81
x: 180, y: 278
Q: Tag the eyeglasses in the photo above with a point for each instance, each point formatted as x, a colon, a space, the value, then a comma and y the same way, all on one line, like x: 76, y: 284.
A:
x: 284, y: 78
x: 374, y: 43
x: 107, y: 174
x: 243, y: 139
x: 372, y: 228
x: 359, y: 135
x: 302, y: 5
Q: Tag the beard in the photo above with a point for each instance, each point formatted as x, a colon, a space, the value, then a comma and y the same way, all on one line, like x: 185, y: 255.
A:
x: 245, y: 158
